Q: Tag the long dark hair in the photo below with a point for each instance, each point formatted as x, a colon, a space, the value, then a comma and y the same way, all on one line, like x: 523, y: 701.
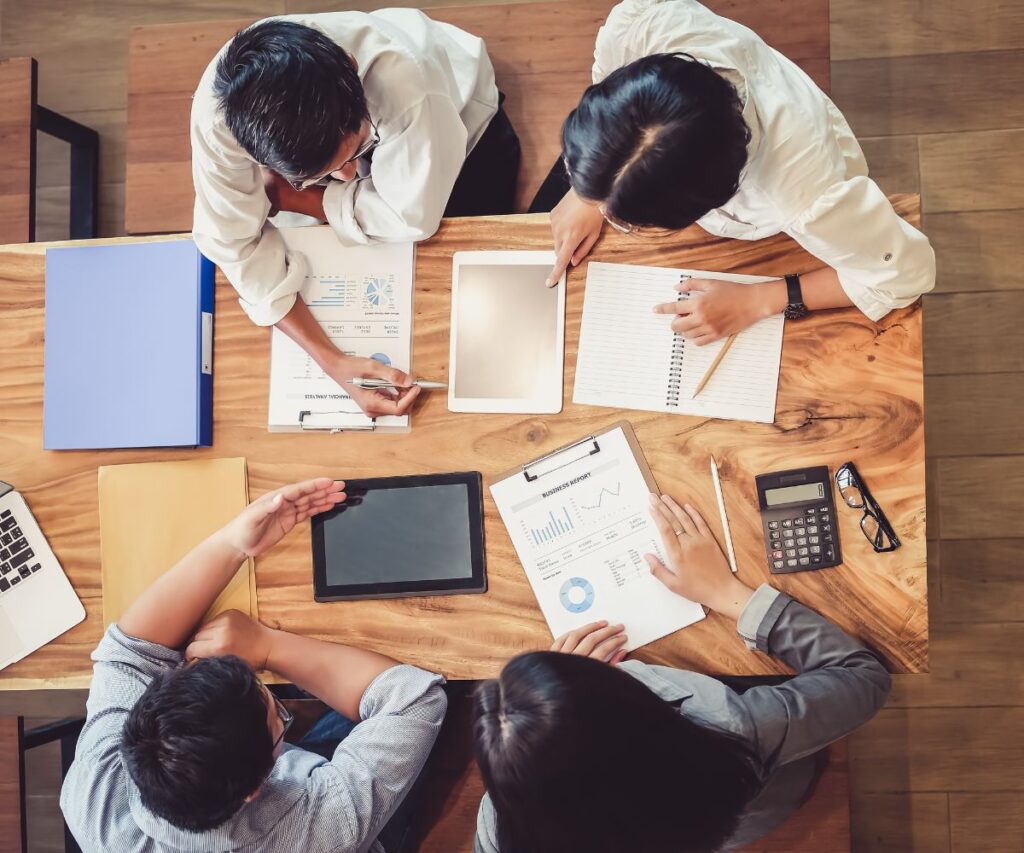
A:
x: 579, y: 755
x: 661, y: 141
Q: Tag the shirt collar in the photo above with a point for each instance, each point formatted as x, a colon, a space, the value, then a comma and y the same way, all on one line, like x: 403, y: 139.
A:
x: 249, y: 825
x: 750, y: 116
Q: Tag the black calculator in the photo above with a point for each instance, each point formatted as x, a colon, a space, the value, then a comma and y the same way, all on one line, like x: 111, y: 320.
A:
x: 799, y: 519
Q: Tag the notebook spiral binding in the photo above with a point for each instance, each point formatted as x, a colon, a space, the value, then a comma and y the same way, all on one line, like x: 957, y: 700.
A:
x: 675, y: 369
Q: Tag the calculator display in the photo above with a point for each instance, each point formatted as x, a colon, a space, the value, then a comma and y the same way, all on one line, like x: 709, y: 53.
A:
x: 794, y: 494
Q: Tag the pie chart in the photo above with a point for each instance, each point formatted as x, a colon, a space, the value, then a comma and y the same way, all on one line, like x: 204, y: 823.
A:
x: 576, y: 595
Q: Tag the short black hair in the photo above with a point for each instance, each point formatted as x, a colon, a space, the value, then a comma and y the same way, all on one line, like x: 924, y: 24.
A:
x: 661, y: 141
x: 289, y: 95
x: 196, y: 744
x: 579, y: 755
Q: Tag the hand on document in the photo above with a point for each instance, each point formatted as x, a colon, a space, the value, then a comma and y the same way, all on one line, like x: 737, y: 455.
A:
x: 722, y: 308
x: 267, y: 520
x: 575, y: 227
x: 598, y: 640
x: 374, y: 402
x: 697, y: 568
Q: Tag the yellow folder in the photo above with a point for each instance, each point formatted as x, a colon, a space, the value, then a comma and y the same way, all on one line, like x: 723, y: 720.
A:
x: 153, y: 513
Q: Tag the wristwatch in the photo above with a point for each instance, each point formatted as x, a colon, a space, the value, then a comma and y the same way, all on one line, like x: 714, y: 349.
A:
x: 796, y: 308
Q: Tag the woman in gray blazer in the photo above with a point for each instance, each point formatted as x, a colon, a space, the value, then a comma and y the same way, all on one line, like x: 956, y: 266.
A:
x: 581, y: 751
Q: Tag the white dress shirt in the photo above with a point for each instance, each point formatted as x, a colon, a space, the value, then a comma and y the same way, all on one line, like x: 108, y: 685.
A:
x: 430, y: 90
x: 805, y: 173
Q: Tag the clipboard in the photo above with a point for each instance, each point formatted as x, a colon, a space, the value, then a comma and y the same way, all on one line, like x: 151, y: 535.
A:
x: 589, y: 445
x: 579, y: 520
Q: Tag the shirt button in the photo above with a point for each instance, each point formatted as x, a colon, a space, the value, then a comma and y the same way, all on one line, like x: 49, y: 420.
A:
x: 887, y: 257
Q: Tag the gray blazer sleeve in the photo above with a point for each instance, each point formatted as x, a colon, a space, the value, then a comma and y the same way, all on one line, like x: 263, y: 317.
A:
x: 839, y: 686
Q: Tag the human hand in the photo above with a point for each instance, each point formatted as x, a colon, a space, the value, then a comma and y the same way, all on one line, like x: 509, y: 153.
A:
x: 697, y: 568
x: 268, y: 519
x: 374, y: 402
x: 598, y: 640
x: 575, y: 227
x: 232, y: 633
x: 722, y: 308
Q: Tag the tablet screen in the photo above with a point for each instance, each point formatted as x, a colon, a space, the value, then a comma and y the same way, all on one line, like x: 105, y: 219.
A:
x: 506, y: 343
x: 419, y: 533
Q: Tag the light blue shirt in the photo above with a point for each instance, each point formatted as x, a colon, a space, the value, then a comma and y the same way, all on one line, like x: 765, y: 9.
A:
x: 307, y: 803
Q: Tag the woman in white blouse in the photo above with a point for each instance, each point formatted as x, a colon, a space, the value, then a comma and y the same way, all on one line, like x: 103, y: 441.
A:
x: 693, y: 118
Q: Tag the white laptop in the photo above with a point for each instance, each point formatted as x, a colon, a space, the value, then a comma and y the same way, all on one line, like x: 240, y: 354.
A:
x: 37, y: 602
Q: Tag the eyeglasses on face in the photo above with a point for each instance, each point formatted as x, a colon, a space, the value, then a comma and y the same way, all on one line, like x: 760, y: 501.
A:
x: 873, y: 523
x: 372, y: 141
x: 284, y: 715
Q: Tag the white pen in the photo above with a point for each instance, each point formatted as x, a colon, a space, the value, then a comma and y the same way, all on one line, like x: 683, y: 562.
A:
x: 375, y: 384
x: 721, y: 511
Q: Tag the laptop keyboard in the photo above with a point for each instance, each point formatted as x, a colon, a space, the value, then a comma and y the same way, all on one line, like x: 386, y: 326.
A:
x: 17, y: 560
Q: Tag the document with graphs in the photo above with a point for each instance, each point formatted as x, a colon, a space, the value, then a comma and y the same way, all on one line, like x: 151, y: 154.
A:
x: 580, y: 522
x: 362, y: 297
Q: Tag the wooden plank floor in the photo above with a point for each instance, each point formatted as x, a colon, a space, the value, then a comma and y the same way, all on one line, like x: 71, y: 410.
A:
x: 935, y: 90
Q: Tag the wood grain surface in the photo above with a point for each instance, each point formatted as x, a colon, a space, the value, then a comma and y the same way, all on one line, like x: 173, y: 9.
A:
x: 849, y: 389
x: 542, y: 55
x: 12, y: 778
x: 17, y: 142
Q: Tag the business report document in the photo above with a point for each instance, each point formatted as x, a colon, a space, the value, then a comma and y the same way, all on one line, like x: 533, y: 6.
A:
x: 581, y: 531
x: 362, y: 297
x: 630, y: 358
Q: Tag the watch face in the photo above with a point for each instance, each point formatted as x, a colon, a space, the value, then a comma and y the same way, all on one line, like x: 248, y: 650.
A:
x: 795, y: 310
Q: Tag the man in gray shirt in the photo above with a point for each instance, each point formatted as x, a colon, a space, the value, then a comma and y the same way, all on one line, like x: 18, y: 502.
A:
x: 183, y: 747
x: 577, y: 755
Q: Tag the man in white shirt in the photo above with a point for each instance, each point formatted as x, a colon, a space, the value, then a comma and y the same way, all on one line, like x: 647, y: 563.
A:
x: 693, y: 118
x: 378, y: 124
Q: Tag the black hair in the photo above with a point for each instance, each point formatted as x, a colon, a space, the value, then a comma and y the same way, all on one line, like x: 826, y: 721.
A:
x: 661, y: 141
x: 289, y: 95
x: 579, y: 755
x: 196, y: 744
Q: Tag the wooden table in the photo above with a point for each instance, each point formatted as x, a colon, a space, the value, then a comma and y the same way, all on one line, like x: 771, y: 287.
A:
x: 542, y: 55
x: 18, y: 139
x: 849, y: 389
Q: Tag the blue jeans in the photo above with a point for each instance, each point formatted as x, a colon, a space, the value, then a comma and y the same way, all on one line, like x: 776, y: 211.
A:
x: 323, y: 739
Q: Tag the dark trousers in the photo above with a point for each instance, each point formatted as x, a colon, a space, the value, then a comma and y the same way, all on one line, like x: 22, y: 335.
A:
x: 555, y: 186
x: 486, y: 186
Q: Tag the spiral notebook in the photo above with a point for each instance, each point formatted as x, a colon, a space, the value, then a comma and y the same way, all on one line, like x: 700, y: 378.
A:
x: 629, y: 357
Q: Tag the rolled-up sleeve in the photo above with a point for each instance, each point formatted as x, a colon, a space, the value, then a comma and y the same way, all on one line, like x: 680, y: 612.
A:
x: 413, y: 172
x: 230, y: 227
x: 882, y: 261
x: 840, y: 685
x: 374, y: 767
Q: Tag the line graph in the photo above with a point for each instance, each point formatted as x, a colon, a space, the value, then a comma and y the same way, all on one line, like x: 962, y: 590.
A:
x: 600, y: 496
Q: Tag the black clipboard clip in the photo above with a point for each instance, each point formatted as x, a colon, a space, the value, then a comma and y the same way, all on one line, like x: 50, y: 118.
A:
x: 588, y: 446
x: 310, y: 421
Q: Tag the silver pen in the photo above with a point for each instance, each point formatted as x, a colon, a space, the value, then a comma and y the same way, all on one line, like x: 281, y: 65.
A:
x: 377, y: 384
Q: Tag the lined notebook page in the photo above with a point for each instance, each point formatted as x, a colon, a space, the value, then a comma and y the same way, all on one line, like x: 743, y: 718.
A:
x: 630, y: 358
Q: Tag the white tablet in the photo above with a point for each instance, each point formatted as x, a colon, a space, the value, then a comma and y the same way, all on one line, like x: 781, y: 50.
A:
x: 508, y: 333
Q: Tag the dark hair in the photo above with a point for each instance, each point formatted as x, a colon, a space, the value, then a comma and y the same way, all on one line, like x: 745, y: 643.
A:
x: 289, y: 95
x: 661, y: 141
x: 579, y: 755
x: 197, y: 743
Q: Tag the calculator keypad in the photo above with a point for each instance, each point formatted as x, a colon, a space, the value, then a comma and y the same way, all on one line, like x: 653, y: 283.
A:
x: 805, y: 540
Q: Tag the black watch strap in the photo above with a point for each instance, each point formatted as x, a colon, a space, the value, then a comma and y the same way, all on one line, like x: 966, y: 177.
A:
x: 795, y: 309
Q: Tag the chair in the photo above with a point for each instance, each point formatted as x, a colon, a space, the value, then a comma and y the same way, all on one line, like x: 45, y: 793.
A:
x: 14, y: 741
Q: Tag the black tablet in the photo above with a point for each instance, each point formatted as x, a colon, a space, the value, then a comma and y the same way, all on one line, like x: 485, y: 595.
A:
x: 398, y: 536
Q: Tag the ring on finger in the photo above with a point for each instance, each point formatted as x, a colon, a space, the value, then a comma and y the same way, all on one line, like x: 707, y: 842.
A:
x: 678, y: 532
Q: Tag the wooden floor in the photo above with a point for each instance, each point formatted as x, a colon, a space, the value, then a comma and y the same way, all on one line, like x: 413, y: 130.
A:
x: 936, y: 92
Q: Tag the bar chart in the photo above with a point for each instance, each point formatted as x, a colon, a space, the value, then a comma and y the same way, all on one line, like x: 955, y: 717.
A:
x: 558, y: 524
